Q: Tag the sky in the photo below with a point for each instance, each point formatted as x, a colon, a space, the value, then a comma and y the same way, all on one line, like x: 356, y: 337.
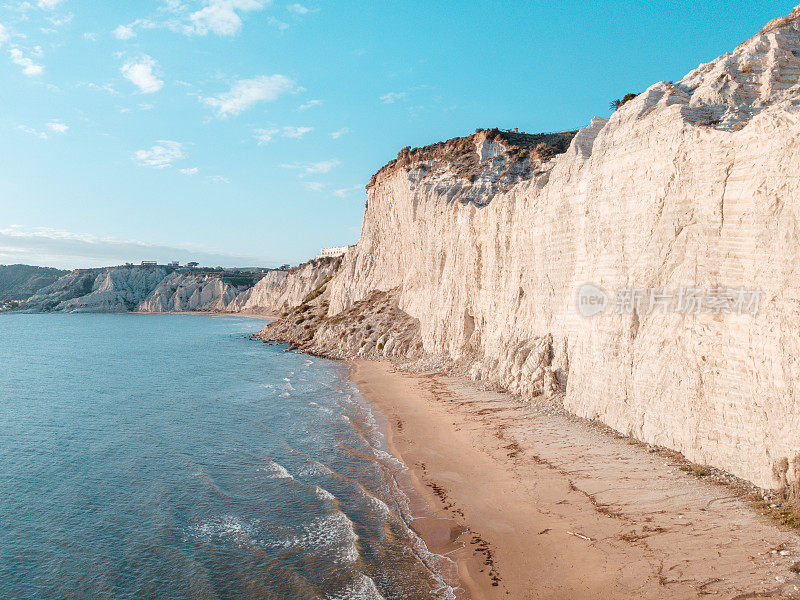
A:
x: 242, y: 132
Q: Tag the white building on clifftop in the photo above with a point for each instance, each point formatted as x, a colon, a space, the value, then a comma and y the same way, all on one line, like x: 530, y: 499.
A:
x: 333, y: 251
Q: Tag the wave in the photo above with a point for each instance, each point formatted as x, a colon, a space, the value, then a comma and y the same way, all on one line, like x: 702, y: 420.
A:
x: 379, y: 505
x: 365, y: 424
x: 387, y: 458
x: 315, y: 469
x: 363, y: 589
x: 226, y: 527
x: 323, y: 494
x: 334, y: 533
x: 275, y: 471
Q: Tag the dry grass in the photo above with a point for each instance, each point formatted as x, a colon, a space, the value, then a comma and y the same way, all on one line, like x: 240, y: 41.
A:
x: 460, y: 152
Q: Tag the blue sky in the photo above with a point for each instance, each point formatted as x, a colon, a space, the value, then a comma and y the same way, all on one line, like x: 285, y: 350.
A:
x: 242, y: 132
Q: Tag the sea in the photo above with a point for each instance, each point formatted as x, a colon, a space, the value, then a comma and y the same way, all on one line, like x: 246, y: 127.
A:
x: 169, y: 456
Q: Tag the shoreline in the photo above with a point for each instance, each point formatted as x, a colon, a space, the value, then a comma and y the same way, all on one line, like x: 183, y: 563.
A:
x: 531, y: 503
x: 251, y: 315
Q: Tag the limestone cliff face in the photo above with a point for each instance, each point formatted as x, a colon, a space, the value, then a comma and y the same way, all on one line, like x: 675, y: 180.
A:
x: 115, y: 289
x: 181, y: 292
x: 279, y: 291
x: 692, y: 183
x: 164, y: 289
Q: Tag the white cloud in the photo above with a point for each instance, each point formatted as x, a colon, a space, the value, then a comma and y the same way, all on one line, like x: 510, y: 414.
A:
x: 92, y: 37
x: 309, y: 104
x: 104, y: 87
x: 124, y: 32
x: 3, y: 34
x: 30, y: 131
x: 48, y: 4
x: 172, y: 5
x: 264, y: 136
x: 161, y: 155
x: 345, y: 192
x: 29, y: 68
x: 314, y: 186
x: 324, y: 166
x: 140, y: 74
x: 340, y: 132
x: 296, y: 132
x: 247, y: 92
x: 278, y: 24
x: 57, y: 127
x: 219, y: 179
x: 392, y: 97
x: 297, y: 8
x: 47, y: 246
x: 192, y: 171
x: 127, y: 32
x: 316, y: 168
x: 59, y: 21
x: 220, y: 17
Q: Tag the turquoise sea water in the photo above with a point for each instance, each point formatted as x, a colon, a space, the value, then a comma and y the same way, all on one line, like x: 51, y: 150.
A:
x: 168, y: 456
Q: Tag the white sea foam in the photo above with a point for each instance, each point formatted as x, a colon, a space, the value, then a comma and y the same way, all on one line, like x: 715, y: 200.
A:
x: 379, y: 505
x: 226, y: 527
x: 334, y: 533
x: 275, y: 471
x: 349, y: 554
x: 363, y: 589
x: 314, y: 469
x: 323, y: 494
x: 441, y: 566
x: 388, y: 458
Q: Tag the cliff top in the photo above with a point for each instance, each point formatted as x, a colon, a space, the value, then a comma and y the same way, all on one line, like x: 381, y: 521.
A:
x: 780, y: 22
x: 727, y: 92
x: 464, y: 154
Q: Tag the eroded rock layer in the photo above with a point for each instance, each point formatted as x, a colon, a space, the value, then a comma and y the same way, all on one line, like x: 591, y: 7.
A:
x: 166, y: 289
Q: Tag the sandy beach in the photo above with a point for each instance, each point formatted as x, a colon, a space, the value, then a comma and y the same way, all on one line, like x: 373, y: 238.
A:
x: 532, y: 503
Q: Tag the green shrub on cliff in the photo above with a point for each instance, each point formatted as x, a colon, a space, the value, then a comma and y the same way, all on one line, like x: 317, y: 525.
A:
x: 616, y: 104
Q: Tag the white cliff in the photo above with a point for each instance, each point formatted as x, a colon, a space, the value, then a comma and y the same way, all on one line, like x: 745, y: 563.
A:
x: 278, y: 290
x: 692, y: 183
x: 182, y: 292
x: 165, y: 289
x: 114, y: 289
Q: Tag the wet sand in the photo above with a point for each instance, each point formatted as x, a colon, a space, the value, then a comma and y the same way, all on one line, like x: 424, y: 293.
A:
x: 535, y: 504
